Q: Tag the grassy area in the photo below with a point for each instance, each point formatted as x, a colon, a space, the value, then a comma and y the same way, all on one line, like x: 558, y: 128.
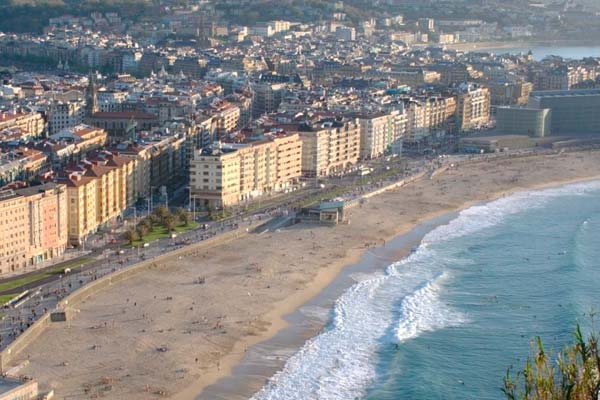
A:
x: 160, y: 232
x: 44, y: 274
x: 5, y: 298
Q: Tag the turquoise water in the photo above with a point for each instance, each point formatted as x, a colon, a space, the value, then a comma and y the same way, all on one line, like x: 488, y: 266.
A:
x: 446, y: 322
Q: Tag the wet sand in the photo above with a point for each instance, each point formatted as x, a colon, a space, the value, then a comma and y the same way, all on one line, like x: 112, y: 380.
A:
x: 161, y: 334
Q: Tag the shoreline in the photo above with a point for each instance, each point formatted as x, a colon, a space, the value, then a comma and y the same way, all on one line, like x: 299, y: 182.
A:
x: 280, y: 312
x: 302, y: 327
x: 279, y: 271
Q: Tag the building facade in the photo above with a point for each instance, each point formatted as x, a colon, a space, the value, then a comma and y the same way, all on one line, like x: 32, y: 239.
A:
x: 473, y: 107
x: 573, y: 111
x: 329, y: 147
x: 523, y: 121
x: 228, y: 174
x: 98, y: 192
x: 33, y: 226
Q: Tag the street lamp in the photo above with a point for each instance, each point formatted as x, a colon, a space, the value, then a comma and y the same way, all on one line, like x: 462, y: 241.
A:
x: 150, y: 200
x: 192, y: 206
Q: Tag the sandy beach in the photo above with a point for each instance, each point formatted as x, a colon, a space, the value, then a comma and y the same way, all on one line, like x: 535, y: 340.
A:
x: 162, y: 334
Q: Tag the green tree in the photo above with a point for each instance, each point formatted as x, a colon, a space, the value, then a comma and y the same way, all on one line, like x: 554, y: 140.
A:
x: 573, y: 375
x: 170, y: 223
x: 162, y: 212
x: 148, y: 223
x: 142, y: 229
x: 131, y: 235
x: 183, y: 216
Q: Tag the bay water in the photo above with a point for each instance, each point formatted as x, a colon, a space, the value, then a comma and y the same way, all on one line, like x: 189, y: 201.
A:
x: 447, y: 321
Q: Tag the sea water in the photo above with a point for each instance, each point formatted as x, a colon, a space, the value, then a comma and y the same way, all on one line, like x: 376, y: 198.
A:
x: 447, y: 321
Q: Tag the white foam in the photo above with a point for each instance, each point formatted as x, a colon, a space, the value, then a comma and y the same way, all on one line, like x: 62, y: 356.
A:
x: 316, y: 312
x: 338, y: 364
x: 424, y: 312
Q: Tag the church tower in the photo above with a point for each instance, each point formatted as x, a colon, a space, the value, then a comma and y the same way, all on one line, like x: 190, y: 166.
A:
x: 91, y: 96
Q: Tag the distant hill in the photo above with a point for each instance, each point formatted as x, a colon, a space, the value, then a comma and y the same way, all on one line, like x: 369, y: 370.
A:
x: 295, y: 10
x: 33, y: 15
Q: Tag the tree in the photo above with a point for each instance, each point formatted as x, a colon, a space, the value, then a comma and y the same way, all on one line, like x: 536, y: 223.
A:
x: 131, y: 235
x: 170, y: 223
x: 142, y: 229
x: 148, y: 223
x: 183, y: 216
x: 574, y: 375
x: 162, y: 212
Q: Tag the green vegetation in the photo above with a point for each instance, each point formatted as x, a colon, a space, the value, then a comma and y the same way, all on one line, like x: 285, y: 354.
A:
x: 5, y: 298
x: 160, y: 224
x: 38, y: 276
x: 33, y: 15
x: 251, y: 13
x: 574, y: 374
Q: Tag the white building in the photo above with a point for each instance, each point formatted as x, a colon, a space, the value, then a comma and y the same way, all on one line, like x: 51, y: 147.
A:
x: 65, y: 114
x: 381, y: 133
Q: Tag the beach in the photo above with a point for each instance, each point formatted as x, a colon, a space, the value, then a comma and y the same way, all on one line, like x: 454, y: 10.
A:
x: 174, y: 330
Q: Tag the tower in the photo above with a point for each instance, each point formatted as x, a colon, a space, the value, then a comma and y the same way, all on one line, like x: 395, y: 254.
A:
x: 91, y: 96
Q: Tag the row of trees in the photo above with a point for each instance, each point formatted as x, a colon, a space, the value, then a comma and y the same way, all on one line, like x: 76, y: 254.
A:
x: 160, y: 217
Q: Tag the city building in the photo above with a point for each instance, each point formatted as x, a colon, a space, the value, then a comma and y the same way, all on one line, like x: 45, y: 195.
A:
x: 381, y: 133
x: 573, y: 111
x: 73, y: 144
x: 22, y: 164
x: 14, y: 389
x: 510, y: 93
x: 267, y: 97
x: 65, y: 114
x: 227, y: 174
x: 124, y: 124
x: 345, y: 33
x: 30, y: 122
x: 33, y: 224
x: 98, y: 192
x: 523, y: 121
x: 329, y: 146
x: 473, y: 106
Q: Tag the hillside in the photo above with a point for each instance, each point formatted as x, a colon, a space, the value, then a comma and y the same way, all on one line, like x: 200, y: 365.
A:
x: 33, y: 15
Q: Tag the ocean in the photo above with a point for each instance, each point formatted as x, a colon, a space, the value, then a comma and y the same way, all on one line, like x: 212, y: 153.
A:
x: 447, y: 321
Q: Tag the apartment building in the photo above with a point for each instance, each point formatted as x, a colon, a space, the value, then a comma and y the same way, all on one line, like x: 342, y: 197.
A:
x: 22, y: 164
x: 33, y: 225
x: 426, y: 115
x: 510, y: 93
x: 65, y: 114
x: 98, y: 191
x: 329, y: 146
x: 30, y: 122
x: 229, y: 173
x: 73, y: 144
x: 473, y: 105
x: 267, y: 97
x: 381, y: 133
